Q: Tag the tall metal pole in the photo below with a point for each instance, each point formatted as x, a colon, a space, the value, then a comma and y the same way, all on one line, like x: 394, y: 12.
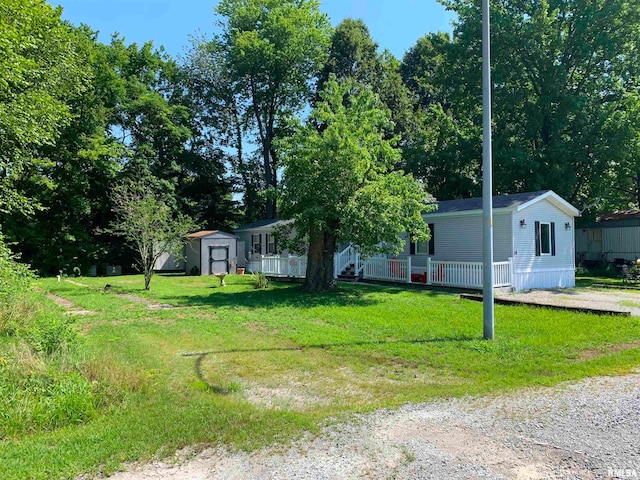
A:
x: 487, y: 178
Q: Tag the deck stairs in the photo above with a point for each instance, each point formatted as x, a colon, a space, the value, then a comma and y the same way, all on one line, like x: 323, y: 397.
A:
x: 348, y: 274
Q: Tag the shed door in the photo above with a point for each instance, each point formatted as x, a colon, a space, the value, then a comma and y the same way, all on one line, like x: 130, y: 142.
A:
x: 219, y: 259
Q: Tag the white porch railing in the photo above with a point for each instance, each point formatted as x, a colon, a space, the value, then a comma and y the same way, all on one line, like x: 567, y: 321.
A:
x: 432, y: 272
x: 288, y: 266
x: 463, y: 274
x: 253, y: 266
x: 388, y: 269
x: 503, y: 274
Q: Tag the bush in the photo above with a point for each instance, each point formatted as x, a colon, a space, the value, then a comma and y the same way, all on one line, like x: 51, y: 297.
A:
x: 15, y: 278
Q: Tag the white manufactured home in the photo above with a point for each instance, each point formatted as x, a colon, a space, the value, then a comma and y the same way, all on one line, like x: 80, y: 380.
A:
x: 534, y: 247
x: 533, y: 242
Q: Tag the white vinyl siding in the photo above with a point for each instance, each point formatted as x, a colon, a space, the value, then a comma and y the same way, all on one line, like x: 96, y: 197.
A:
x: 459, y: 238
x: 543, y: 271
x: 261, y: 235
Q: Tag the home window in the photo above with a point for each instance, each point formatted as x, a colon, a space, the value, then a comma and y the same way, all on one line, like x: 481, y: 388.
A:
x: 271, y: 244
x: 424, y: 247
x: 256, y: 244
x: 545, y: 238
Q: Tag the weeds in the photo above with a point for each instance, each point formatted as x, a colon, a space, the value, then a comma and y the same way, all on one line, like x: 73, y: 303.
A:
x: 42, y: 385
x: 260, y: 280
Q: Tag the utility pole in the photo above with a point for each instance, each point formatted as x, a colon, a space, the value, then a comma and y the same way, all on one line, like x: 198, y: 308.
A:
x: 487, y: 179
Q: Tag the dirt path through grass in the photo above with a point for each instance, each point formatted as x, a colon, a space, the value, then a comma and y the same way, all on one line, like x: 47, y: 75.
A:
x: 151, y: 305
x: 70, y: 307
x: 584, y: 430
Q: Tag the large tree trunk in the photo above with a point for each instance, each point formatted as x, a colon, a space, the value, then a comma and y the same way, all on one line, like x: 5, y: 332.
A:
x: 322, y: 246
x: 269, y: 172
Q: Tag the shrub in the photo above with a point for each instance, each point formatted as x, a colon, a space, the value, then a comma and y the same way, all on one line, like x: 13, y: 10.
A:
x: 15, y: 278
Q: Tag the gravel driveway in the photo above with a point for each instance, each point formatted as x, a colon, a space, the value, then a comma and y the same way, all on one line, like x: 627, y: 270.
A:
x: 614, y: 300
x: 585, y: 430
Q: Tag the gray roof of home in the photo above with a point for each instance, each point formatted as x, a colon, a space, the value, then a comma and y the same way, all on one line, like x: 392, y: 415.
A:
x: 262, y: 223
x: 499, y: 201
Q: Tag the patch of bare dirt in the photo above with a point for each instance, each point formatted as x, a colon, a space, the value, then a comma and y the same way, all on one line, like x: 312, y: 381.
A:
x: 294, y: 396
x: 78, y: 284
x: 599, y: 352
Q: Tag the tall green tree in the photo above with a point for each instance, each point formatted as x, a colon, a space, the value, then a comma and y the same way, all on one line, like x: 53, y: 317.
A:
x: 83, y: 168
x: 339, y: 183
x: 618, y: 188
x: 443, y: 141
x: 39, y: 69
x: 560, y: 68
x: 223, y: 124
x: 353, y: 54
x: 273, y: 51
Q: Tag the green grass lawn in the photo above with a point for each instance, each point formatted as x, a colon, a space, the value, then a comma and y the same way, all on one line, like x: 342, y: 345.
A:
x: 246, y: 368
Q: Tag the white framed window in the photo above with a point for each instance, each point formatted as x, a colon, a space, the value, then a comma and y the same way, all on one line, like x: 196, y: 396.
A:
x: 424, y: 247
x: 256, y: 244
x: 545, y: 238
x: 545, y: 233
x: 271, y: 244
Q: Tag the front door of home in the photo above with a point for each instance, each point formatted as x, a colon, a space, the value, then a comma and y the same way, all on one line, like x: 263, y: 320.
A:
x: 218, y: 259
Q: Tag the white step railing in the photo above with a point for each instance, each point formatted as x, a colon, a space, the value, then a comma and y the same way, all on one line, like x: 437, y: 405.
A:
x: 343, y: 259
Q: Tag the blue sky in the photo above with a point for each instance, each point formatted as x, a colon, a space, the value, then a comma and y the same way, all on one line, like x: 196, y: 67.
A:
x: 394, y: 24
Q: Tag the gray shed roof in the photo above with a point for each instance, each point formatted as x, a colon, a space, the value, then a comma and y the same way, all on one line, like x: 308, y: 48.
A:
x: 506, y: 202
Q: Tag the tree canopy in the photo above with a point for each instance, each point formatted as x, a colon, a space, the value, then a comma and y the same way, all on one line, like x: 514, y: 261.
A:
x: 39, y: 71
x: 560, y: 70
x: 339, y: 182
x: 272, y: 51
x: 211, y: 132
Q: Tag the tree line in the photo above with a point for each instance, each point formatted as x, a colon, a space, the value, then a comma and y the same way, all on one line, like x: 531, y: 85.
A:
x: 272, y: 113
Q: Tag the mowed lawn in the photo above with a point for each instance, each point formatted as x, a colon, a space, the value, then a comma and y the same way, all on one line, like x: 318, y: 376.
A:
x: 245, y: 368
